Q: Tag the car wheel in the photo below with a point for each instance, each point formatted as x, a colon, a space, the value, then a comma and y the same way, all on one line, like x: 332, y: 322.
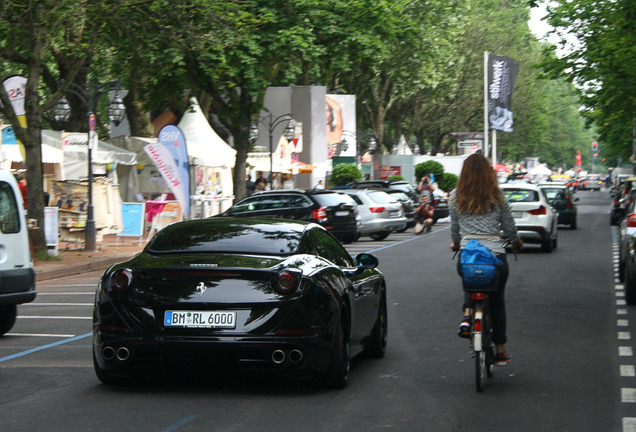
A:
x: 376, y: 348
x: 546, y: 246
x: 630, y: 283
x: 340, y: 361
x: 348, y: 239
x: 573, y: 224
x: 111, y: 379
x: 7, y: 318
x: 379, y: 236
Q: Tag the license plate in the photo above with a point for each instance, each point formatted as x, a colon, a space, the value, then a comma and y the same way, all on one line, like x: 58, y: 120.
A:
x: 200, y: 319
x: 394, y: 213
x: 517, y: 214
x: 342, y: 213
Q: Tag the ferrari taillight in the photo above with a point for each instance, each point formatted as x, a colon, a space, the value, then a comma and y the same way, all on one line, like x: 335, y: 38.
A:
x: 287, y: 281
x: 121, y: 280
x: 540, y: 211
x: 319, y: 214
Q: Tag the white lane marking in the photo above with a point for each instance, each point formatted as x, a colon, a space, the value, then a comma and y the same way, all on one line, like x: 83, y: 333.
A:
x: 624, y: 335
x: 56, y: 304
x: 40, y: 335
x: 622, y: 323
x: 628, y: 395
x: 627, y: 370
x: 65, y: 293
x: 52, y: 317
x: 629, y: 424
x: 625, y: 351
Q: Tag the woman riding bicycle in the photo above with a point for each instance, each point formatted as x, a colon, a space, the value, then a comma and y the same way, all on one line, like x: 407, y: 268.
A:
x: 479, y: 211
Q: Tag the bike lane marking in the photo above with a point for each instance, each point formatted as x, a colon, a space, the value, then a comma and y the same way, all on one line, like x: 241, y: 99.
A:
x: 43, y: 347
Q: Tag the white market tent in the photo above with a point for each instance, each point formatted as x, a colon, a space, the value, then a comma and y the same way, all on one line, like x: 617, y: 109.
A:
x: 540, y: 171
x: 51, y: 151
x: 206, y: 149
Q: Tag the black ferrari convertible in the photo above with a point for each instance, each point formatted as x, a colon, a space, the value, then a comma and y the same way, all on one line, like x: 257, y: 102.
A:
x: 244, y: 294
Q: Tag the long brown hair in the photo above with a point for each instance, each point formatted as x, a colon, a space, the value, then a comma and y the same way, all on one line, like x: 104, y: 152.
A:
x: 477, y: 189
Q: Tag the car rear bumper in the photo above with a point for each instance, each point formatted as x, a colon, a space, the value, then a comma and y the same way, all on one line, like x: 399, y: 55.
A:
x: 533, y: 234
x: 289, y: 355
x: 17, y: 286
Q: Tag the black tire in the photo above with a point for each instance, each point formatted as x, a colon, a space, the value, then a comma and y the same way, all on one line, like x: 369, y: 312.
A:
x: 546, y: 246
x: 340, y: 362
x: 621, y: 269
x: 573, y: 225
x: 111, y: 379
x: 376, y: 347
x: 8, y: 315
x: 630, y: 283
x: 480, y: 370
x: 490, y: 360
x: 348, y: 239
x: 379, y: 236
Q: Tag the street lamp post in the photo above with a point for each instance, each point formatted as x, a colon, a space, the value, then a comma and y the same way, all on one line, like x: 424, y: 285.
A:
x: 116, y: 113
x: 271, y: 122
x: 373, y: 145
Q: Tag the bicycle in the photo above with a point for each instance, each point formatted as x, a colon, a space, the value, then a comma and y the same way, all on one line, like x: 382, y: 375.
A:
x: 481, y: 344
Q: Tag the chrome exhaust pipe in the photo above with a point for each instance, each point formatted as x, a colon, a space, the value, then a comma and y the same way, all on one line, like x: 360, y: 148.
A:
x: 123, y: 353
x: 295, y: 356
x: 278, y: 356
x: 108, y: 353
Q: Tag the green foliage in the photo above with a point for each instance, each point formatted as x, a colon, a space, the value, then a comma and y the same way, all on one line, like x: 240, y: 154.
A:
x: 429, y: 167
x: 344, y: 173
x: 602, y: 64
x: 448, y: 182
x: 395, y: 177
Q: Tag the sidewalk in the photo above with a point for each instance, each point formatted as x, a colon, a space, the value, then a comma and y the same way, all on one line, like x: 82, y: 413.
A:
x: 75, y: 260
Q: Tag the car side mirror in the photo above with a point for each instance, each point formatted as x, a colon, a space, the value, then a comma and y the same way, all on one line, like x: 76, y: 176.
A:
x: 365, y: 261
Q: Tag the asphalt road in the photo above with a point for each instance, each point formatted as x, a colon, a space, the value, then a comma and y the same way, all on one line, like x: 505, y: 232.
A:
x: 566, y: 324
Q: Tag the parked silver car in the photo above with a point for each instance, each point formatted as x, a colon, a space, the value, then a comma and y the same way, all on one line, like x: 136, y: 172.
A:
x: 535, y: 218
x: 380, y: 213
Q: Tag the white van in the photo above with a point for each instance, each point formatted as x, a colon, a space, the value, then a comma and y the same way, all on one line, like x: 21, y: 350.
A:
x: 17, y: 276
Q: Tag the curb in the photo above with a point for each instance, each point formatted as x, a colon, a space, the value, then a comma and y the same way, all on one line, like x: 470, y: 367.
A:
x: 96, y: 265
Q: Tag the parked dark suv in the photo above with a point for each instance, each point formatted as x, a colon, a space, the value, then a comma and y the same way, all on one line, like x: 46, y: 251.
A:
x: 332, y: 210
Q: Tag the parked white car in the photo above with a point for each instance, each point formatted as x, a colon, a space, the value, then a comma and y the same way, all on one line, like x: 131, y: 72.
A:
x: 17, y: 276
x: 535, y: 218
x: 380, y: 213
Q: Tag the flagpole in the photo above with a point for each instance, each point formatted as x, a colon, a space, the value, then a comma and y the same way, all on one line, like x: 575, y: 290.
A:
x: 486, y: 103
x: 494, y: 148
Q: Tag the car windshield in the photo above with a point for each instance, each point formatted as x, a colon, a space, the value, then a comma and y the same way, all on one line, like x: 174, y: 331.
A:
x: 380, y: 197
x: 329, y: 199
x: 228, y: 235
x: 554, y: 193
x: 521, y: 195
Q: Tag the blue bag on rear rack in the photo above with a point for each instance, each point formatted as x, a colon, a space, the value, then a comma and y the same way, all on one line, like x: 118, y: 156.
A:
x: 479, y: 267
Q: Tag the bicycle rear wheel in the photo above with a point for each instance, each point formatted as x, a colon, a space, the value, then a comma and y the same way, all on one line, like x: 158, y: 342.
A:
x: 480, y: 370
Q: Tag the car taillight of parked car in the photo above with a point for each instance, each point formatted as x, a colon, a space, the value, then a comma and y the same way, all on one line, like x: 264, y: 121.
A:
x: 377, y: 209
x: 540, y: 211
x: 631, y: 221
x: 319, y: 214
